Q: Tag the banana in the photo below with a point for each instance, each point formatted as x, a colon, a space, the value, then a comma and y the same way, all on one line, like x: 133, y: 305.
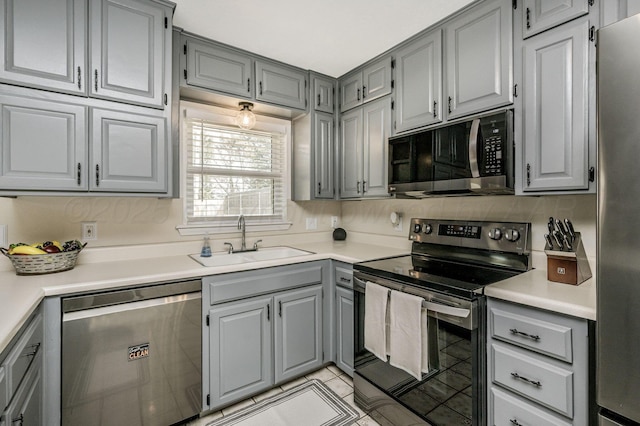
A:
x: 26, y: 250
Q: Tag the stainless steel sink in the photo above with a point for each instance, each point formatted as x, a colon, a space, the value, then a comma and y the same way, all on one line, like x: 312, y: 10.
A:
x: 266, y: 253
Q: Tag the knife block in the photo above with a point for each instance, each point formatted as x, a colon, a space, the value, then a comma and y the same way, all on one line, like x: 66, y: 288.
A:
x: 568, y: 267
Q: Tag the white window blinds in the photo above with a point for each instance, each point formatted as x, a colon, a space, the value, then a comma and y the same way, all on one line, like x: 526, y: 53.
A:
x: 231, y: 171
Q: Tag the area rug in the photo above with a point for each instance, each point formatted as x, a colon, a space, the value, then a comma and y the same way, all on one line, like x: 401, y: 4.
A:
x: 310, y: 404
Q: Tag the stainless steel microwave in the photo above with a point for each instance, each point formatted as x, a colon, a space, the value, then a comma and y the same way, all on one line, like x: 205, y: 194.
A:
x: 474, y: 156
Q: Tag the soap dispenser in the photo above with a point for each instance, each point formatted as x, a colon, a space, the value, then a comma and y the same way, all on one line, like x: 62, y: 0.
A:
x: 206, y: 248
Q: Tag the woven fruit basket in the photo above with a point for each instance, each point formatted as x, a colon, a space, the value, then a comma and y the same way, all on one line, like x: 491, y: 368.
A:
x: 37, y: 264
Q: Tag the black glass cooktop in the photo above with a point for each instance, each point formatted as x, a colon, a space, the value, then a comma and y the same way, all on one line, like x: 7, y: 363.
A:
x: 448, y: 277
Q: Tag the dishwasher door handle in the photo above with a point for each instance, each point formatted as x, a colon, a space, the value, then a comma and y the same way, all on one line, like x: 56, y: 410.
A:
x: 124, y: 307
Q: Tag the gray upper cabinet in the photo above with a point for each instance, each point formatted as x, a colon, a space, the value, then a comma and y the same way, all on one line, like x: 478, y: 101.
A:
x: 419, y: 83
x: 478, y: 52
x: 297, y: 332
x: 217, y: 68
x: 129, y: 152
x: 324, y: 156
x: 127, y: 51
x: 49, y: 156
x: 614, y: 10
x: 323, y: 93
x: 540, y: 15
x: 281, y: 85
x: 363, y: 135
x: 43, y: 44
x: 556, y: 128
x: 366, y: 84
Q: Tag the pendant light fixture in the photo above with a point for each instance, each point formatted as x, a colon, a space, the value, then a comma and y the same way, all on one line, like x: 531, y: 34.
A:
x: 245, y: 118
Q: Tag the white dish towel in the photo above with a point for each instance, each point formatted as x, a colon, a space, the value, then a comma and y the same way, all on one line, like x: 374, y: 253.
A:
x: 375, y: 319
x: 408, y: 340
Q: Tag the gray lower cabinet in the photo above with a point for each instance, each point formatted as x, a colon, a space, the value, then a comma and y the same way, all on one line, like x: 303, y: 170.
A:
x: 343, y: 274
x: 253, y: 343
x: 218, y: 68
x: 363, y: 139
x: 44, y: 46
x: 538, y: 367
x: 478, y: 50
x: 418, y: 98
x: 556, y: 123
x: 64, y: 146
x: 21, y: 396
x: 540, y: 15
x: 281, y: 85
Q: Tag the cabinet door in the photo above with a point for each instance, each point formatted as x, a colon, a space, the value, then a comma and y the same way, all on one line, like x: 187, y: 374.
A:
x: 26, y: 406
x: 351, y: 154
x: 216, y: 68
x: 298, y: 332
x: 324, y: 158
x: 540, y: 15
x: 43, y: 145
x: 281, y: 85
x: 350, y: 91
x: 419, y: 83
x: 323, y: 90
x: 555, y: 109
x: 344, y: 329
x: 479, y: 59
x: 129, y: 152
x: 614, y: 10
x: 376, y: 131
x: 42, y: 44
x: 376, y: 80
x: 240, y: 349
x: 127, y: 51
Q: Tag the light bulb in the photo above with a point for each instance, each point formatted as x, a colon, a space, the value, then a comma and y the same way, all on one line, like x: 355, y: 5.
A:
x: 245, y: 118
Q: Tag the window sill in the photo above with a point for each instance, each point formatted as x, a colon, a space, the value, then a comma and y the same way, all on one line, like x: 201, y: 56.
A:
x: 206, y: 228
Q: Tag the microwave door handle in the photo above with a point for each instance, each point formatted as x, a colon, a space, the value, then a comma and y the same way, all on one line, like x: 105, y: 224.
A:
x: 473, y: 148
x: 444, y: 309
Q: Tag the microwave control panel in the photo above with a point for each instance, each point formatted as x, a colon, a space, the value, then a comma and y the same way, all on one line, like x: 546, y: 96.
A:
x: 492, y: 158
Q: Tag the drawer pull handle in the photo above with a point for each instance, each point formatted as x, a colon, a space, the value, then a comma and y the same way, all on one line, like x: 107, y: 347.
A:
x: 530, y: 336
x: 515, y: 422
x: 524, y: 379
x: 35, y: 348
x: 345, y: 280
x: 19, y: 420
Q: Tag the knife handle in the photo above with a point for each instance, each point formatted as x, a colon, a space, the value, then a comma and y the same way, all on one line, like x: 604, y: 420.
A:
x: 570, y: 229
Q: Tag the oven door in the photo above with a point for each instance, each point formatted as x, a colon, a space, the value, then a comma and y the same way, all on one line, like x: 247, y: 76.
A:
x: 452, y: 393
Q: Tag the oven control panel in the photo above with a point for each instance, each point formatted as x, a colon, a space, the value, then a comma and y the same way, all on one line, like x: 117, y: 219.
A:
x: 503, y: 236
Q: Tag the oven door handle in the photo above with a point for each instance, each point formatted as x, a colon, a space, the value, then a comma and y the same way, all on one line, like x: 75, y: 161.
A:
x: 444, y: 309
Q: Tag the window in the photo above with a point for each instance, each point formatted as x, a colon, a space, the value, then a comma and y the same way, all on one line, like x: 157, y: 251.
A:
x: 231, y: 172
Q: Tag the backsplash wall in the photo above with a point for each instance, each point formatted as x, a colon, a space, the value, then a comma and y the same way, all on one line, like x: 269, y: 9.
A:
x: 131, y: 220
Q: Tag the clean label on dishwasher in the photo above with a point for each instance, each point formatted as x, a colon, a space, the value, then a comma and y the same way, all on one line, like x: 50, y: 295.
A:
x: 138, y: 352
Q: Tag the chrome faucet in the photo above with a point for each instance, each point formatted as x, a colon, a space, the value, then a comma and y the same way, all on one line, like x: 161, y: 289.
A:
x: 242, y: 226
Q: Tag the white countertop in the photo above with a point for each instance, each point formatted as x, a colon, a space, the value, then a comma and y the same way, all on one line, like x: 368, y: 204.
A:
x: 20, y: 295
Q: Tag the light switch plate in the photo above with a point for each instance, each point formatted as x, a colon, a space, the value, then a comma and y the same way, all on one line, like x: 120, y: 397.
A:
x: 4, y: 236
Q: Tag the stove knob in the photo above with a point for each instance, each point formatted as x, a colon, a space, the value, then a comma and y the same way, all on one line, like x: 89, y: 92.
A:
x: 417, y: 228
x: 428, y: 229
x: 495, y: 234
x: 512, y: 235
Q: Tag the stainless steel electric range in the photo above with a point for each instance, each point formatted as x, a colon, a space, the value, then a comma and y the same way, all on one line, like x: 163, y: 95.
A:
x: 450, y: 264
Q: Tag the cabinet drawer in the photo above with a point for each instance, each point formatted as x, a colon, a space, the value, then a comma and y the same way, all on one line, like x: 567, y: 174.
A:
x: 344, y: 277
x: 511, y: 410
x: 24, y: 352
x: 518, y: 326
x: 251, y: 283
x: 533, y: 378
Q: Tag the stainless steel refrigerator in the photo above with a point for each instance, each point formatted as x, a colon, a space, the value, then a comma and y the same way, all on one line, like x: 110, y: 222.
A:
x: 618, y: 266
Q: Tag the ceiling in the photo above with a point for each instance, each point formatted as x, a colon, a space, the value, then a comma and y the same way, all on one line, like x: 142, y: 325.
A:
x: 328, y: 36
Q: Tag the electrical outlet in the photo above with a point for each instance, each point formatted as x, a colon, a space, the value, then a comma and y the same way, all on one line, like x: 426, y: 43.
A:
x: 89, y: 231
x: 334, y: 222
x: 312, y: 223
x: 4, y: 236
x: 398, y: 227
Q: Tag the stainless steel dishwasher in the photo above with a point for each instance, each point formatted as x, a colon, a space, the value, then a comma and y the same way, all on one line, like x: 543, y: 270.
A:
x: 132, y: 357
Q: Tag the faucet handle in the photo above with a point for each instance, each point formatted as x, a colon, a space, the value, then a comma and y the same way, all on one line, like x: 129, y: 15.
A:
x: 255, y: 245
x: 230, y: 247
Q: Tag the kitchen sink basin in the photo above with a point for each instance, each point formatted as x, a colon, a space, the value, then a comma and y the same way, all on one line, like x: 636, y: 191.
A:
x: 262, y: 254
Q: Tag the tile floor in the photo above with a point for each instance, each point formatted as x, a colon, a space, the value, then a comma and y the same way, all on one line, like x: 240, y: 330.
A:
x: 332, y: 376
